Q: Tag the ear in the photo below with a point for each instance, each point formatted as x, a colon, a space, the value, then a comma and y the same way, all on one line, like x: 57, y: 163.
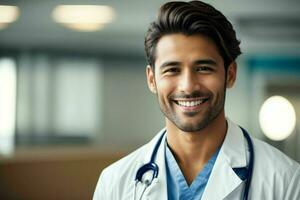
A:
x: 151, y: 79
x: 231, y: 74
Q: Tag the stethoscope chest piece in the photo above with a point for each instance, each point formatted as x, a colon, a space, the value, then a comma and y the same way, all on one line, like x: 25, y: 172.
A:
x: 147, y: 173
x: 144, y: 176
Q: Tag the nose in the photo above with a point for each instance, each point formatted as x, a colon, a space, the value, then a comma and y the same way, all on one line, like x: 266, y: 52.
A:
x: 188, y: 82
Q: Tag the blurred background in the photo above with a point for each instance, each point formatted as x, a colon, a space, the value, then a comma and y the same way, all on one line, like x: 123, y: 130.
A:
x: 74, y: 98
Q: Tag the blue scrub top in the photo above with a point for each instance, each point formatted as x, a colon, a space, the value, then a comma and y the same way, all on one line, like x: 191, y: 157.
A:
x: 178, y: 189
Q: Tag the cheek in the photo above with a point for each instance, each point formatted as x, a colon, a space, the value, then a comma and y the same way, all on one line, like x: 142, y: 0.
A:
x: 216, y: 84
x: 164, y: 86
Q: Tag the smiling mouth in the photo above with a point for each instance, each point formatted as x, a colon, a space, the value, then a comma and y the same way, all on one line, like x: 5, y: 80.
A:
x: 190, y: 103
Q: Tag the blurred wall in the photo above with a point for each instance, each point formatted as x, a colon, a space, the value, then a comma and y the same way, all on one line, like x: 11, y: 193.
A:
x: 131, y: 114
x: 53, y: 174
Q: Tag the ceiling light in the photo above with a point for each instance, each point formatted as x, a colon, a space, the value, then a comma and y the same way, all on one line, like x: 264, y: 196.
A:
x: 8, y: 14
x: 83, y: 17
x: 277, y: 118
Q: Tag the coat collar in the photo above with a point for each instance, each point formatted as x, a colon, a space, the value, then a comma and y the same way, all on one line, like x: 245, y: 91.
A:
x: 234, y: 146
x: 232, y: 155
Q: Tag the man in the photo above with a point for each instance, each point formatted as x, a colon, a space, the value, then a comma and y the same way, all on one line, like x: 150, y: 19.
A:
x: 191, y: 50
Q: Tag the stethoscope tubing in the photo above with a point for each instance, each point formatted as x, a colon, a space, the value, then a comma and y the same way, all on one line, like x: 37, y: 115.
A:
x: 250, y: 165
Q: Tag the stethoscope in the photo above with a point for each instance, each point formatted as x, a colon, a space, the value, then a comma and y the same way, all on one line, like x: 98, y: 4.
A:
x: 149, y: 171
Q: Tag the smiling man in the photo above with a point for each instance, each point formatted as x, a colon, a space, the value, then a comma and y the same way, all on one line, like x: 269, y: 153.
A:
x: 190, y: 82
x: 191, y: 51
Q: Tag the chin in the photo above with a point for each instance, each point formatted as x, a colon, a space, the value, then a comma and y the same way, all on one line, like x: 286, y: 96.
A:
x: 192, y: 128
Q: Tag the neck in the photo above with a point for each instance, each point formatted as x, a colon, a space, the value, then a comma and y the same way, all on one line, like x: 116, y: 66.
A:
x: 192, y: 150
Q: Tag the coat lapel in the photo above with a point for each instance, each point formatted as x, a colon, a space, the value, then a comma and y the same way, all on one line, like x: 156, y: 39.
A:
x: 223, y: 180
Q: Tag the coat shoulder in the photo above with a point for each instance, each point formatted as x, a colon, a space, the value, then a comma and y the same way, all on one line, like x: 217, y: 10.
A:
x: 115, y: 178
x: 269, y: 156
x: 275, y: 171
x: 118, y: 179
x: 124, y: 166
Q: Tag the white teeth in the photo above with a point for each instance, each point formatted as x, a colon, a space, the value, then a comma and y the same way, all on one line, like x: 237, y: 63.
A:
x: 190, y: 103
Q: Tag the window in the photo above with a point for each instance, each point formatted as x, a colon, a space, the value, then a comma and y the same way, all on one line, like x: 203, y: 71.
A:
x: 7, y: 104
x: 59, y: 99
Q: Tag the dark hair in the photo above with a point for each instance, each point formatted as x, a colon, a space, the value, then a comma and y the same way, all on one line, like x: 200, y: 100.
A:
x: 190, y: 18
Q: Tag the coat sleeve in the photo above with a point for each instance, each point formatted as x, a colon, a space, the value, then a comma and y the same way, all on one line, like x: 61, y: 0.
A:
x: 100, y: 191
x: 293, y: 191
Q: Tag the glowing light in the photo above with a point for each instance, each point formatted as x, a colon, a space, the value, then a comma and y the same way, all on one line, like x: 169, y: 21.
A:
x: 83, y: 17
x: 7, y: 105
x: 277, y: 118
x: 8, y: 14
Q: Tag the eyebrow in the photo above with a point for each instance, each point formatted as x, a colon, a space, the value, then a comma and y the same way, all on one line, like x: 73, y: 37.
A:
x: 169, y: 63
x: 206, y: 62
x: 197, y: 62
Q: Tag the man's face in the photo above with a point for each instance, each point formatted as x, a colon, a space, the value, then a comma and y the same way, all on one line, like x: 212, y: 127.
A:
x: 189, y: 80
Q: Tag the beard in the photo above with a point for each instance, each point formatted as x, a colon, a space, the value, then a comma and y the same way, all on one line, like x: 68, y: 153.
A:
x: 208, y: 115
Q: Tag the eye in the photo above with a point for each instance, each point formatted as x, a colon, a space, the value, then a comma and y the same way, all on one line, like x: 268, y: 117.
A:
x: 171, y: 70
x: 205, y: 69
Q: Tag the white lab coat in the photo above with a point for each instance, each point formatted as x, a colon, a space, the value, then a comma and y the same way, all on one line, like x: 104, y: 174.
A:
x: 275, y: 176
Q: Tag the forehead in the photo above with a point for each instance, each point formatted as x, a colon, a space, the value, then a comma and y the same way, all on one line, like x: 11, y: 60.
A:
x: 180, y: 47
